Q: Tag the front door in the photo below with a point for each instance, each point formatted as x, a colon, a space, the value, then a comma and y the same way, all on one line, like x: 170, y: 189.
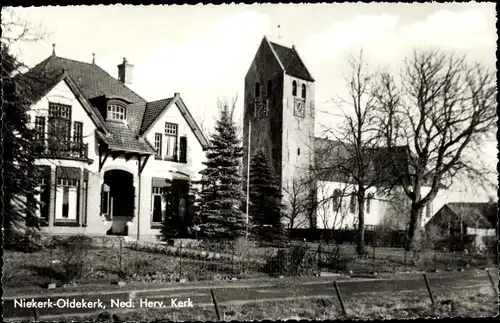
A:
x: 118, y: 200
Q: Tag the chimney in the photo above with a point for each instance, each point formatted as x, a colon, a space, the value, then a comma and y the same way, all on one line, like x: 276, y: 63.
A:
x: 125, y: 72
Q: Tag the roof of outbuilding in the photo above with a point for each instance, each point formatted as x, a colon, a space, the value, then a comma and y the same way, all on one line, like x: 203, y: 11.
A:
x: 482, y: 214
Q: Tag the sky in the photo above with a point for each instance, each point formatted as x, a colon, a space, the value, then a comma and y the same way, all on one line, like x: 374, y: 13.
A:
x: 204, y: 51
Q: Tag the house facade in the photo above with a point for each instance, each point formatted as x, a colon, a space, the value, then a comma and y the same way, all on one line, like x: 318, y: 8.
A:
x: 460, y: 219
x: 112, y: 163
x: 279, y: 118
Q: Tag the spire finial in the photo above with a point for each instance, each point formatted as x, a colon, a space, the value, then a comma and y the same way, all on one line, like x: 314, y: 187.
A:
x: 54, y: 49
x: 93, y: 58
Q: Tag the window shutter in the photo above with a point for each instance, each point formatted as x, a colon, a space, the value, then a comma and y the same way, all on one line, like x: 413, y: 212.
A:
x: 183, y: 150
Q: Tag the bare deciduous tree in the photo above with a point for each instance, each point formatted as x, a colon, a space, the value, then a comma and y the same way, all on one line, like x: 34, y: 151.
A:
x: 443, y: 109
x: 296, y: 202
x: 332, y: 211
x: 356, y: 148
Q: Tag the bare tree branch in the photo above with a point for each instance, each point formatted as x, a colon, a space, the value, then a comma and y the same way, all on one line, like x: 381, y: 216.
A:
x: 442, y: 109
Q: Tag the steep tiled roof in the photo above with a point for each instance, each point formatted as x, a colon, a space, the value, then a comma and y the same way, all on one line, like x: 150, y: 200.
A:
x: 385, y: 165
x: 291, y: 61
x: 36, y: 87
x: 92, y: 80
x: 152, y: 111
x: 485, y: 214
x: 124, y: 138
x: 482, y: 215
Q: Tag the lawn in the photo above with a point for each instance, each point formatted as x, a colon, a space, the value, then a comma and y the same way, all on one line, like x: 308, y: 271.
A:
x: 477, y: 303
x: 105, y: 264
x: 101, y: 264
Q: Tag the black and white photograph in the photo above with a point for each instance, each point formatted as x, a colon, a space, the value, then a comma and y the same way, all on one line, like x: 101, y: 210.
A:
x: 330, y: 161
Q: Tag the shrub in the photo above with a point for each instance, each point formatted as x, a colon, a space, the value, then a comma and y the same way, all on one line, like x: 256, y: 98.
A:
x: 30, y: 241
x: 74, y: 253
x: 457, y: 243
x: 295, y: 260
x: 491, y: 245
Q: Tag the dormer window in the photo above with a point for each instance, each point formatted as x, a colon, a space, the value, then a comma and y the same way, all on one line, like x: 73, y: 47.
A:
x: 294, y: 88
x: 116, y: 112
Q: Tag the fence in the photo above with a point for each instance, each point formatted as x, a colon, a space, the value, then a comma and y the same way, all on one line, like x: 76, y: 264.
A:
x: 93, y: 260
x: 395, y: 238
x: 343, y: 258
x: 116, y: 259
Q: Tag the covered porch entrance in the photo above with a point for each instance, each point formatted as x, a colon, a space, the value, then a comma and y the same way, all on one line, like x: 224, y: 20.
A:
x: 118, y: 200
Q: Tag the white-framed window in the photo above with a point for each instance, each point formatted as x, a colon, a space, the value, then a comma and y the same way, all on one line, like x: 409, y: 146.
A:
x: 84, y: 201
x: 43, y: 196
x: 158, y: 144
x: 160, y: 199
x: 116, y: 112
x: 59, y: 123
x: 78, y: 131
x: 39, y: 128
x: 106, y: 200
x: 171, y: 131
x: 67, y: 199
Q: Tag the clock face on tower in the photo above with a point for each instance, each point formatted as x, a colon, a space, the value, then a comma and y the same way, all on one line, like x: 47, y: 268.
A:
x: 261, y: 109
x: 299, y: 108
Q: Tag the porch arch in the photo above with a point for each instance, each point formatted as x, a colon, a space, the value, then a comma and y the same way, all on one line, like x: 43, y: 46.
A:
x: 118, y: 199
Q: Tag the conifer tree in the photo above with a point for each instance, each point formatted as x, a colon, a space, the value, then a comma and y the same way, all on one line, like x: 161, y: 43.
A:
x: 19, y: 175
x: 265, y: 199
x: 221, y: 195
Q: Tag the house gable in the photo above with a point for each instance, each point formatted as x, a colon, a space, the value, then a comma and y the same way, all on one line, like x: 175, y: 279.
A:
x: 158, y: 112
x: 63, y: 93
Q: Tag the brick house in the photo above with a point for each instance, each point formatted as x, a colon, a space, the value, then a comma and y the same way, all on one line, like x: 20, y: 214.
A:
x: 113, y: 163
x: 279, y: 117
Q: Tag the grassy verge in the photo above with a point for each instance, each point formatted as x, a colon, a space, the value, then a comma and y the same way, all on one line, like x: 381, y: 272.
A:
x: 477, y: 303
x: 465, y: 303
x: 103, y: 264
x: 396, y: 260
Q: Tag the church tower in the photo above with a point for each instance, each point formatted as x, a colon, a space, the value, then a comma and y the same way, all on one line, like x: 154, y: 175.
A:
x: 279, y: 113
